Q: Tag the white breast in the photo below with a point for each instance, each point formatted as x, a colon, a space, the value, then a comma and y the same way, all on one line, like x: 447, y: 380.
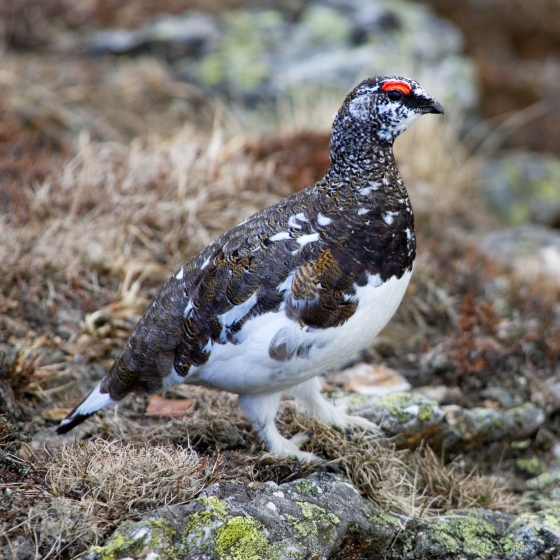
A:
x: 247, y: 368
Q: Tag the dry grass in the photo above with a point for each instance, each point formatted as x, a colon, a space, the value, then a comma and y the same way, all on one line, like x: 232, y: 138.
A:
x: 400, y: 481
x: 93, y: 486
x: 100, y: 234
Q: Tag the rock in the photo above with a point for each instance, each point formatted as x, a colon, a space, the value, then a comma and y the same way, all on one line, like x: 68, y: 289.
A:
x: 442, y: 394
x: 20, y: 548
x: 544, y: 490
x: 257, y: 55
x: 482, y: 425
x: 553, y: 388
x: 49, y: 439
x: 190, y: 35
x: 470, y: 533
x: 503, y: 397
x: 531, y: 251
x: 322, y: 516
x: 307, y: 518
x: 524, y: 187
x: 533, y: 536
x: 371, y: 379
x: 411, y: 416
x: 414, y: 417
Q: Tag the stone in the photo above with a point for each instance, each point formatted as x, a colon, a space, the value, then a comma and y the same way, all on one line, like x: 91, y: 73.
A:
x: 411, y: 416
x: 524, y: 187
x: 322, y: 516
x: 531, y: 251
x: 306, y: 518
x: 483, y: 425
x: 533, y: 536
x: 258, y: 55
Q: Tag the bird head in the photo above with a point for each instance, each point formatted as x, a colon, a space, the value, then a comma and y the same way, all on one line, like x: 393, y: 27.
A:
x: 385, y: 106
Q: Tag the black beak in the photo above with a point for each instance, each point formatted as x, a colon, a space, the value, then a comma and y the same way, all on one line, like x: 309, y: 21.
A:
x: 433, y: 107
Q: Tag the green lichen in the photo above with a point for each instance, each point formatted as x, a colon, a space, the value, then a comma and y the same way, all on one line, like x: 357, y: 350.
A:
x: 164, y: 526
x: 242, y: 538
x: 316, y: 528
x: 551, y: 520
x: 119, y: 545
x: 326, y: 26
x: 201, y: 525
x: 543, y: 481
x: 384, y: 519
x: 307, y: 487
x: 470, y: 534
x: 510, y: 544
x: 425, y: 412
x: 311, y: 511
x: 158, y: 536
x: 397, y: 403
x: 531, y: 466
x: 240, y: 58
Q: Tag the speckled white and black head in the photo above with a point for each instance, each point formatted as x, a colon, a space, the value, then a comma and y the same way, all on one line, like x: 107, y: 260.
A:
x: 292, y: 291
x: 387, y: 106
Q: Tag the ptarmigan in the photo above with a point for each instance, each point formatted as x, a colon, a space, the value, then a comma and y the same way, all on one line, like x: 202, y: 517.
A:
x: 292, y: 291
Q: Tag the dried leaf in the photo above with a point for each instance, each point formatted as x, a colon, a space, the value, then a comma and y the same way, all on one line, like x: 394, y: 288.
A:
x: 168, y: 408
x: 55, y: 414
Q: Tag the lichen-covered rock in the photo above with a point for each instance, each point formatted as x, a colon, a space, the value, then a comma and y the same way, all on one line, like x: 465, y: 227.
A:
x: 411, y: 416
x: 482, y: 425
x: 531, y: 251
x: 260, y: 54
x: 323, y: 517
x: 463, y: 534
x: 524, y: 187
x: 533, y: 536
x: 308, y: 518
x: 544, y: 490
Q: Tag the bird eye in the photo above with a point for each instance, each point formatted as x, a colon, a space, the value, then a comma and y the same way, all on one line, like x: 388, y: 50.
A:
x: 395, y: 95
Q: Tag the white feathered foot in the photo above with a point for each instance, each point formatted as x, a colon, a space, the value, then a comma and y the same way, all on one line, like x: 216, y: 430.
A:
x: 262, y: 409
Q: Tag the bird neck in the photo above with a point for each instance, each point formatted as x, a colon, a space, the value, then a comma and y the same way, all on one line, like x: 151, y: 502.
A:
x: 357, y: 153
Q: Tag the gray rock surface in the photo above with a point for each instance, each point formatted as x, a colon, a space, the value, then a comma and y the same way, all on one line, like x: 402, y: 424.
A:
x: 254, y: 55
x: 322, y: 516
x: 524, y: 187
x: 531, y: 251
x: 413, y: 417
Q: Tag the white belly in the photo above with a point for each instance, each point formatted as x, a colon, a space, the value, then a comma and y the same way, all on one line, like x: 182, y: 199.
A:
x: 247, y: 368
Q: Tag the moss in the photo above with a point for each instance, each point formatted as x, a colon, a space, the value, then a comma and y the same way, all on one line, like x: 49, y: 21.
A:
x: 242, y: 538
x: 469, y: 533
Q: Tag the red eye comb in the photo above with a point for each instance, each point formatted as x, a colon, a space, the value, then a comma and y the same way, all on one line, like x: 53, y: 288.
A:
x: 396, y: 84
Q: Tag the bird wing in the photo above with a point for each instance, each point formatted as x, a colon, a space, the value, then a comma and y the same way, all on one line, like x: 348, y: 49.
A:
x: 279, y: 259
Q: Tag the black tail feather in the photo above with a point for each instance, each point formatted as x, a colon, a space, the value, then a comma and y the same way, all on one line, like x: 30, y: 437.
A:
x: 72, y: 422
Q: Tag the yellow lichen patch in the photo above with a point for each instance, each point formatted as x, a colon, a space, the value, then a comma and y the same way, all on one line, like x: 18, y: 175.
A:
x: 242, y: 538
